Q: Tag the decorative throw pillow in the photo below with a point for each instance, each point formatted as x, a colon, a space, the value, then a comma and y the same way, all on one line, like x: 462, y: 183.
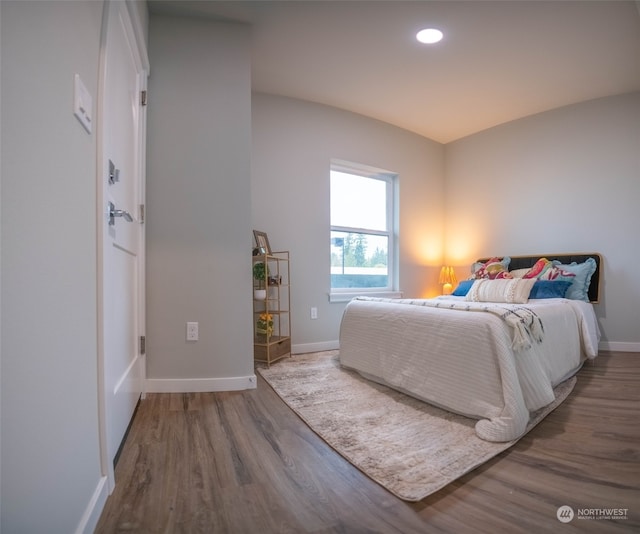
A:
x: 538, y: 268
x: 494, y: 268
x: 463, y: 288
x: 519, y: 273
x: 579, y: 289
x: 549, y: 289
x: 556, y: 273
x: 512, y: 290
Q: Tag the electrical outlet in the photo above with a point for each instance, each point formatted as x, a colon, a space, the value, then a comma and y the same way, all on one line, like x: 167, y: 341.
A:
x: 314, y: 312
x: 192, y: 331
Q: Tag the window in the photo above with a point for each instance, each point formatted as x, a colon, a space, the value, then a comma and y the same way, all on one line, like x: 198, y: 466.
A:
x: 362, y: 231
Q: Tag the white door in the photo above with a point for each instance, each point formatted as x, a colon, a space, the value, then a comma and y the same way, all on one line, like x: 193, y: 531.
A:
x: 121, y: 230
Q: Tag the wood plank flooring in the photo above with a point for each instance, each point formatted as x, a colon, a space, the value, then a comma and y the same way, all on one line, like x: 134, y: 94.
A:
x: 243, y: 462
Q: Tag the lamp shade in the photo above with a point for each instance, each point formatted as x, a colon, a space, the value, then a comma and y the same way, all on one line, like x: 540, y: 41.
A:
x: 447, y: 279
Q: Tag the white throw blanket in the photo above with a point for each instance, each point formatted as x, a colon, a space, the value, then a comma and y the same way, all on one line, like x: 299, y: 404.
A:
x: 526, y: 325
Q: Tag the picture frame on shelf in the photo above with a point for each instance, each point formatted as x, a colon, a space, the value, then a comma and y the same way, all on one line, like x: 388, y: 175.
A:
x: 262, y: 243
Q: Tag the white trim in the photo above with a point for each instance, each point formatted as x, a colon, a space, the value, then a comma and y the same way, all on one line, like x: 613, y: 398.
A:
x: 359, y: 169
x: 138, y: 31
x: 346, y: 297
x: 390, y: 180
x: 620, y: 346
x: 133, y: 30
x: 142, y: 198
x: 315, y: 347
x: 198, y: 385
x: 92, y: 513
x: 105, y: 465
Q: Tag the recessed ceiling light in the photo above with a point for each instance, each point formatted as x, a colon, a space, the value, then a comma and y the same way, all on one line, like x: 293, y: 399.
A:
x: 429, y: 36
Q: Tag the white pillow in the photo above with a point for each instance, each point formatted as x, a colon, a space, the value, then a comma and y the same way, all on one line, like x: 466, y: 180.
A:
x: 509, y: 290
x: 519, y: 273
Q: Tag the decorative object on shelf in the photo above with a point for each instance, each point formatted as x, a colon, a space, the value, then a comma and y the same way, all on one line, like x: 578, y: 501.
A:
x: 273, y: 283
x: 260, y: 273
x: 262, y: 243
x: 264, y: 324
x: 447, y: 279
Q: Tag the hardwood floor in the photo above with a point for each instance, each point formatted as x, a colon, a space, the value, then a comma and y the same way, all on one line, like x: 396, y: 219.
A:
x: 243, y: 462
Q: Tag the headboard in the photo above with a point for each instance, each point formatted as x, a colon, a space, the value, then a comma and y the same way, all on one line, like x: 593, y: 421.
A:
x: 520, y: 262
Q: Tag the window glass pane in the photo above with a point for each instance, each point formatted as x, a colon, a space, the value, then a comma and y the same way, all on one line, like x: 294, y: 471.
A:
x: 359, y: 260
x: 358, y: 201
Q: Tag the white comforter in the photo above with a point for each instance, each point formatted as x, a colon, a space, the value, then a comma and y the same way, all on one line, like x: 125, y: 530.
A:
x: 463, y: 361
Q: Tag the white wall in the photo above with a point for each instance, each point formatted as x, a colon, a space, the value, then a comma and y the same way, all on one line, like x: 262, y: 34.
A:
x: 198, y: 204
x: 567, y: 180
x: 49, y: 425
x: 293, y: 144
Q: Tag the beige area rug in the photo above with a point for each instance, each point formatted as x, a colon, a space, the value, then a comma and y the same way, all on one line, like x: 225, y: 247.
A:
x: 407, y: 446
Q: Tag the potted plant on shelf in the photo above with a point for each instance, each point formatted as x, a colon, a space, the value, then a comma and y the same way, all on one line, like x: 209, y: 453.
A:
x: 260, y: 273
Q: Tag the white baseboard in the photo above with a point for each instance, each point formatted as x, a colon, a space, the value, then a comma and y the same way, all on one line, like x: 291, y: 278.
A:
x: 621, y: 346
x: 198, y: 385
x: 91, y: 515
x: 315, y: 347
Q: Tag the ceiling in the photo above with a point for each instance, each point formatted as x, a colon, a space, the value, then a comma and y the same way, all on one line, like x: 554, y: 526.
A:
x: 498, y: 61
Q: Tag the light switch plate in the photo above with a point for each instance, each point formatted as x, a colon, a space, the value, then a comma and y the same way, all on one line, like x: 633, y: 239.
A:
x: 82, y: 104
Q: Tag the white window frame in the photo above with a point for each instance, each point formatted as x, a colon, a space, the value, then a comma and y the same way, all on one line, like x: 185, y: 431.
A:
x: 391, y: 180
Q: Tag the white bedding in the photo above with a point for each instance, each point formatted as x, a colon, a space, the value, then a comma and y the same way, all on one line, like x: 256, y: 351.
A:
x: 463, y: 361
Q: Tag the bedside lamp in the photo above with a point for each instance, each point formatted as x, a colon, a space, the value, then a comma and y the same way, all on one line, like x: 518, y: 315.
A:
x: 447, y: 279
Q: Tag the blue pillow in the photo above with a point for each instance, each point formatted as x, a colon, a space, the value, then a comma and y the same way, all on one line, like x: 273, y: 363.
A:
x: 549, y: 289
x: 579, y: 289
x: 463, y: 288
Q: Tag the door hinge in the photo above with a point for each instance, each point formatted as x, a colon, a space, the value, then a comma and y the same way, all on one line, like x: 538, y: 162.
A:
x: 141, y: 214
x: 143, y: 345
x: 143, y: 98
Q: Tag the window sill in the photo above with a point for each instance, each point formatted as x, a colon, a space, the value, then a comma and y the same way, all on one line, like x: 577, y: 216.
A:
x: 346, y: 297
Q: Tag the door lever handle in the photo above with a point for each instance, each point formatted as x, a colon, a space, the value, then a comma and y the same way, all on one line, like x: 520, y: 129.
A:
x: 113, y: 213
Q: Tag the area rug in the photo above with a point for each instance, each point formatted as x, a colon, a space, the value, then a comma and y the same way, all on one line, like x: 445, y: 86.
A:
x: 407, y: 446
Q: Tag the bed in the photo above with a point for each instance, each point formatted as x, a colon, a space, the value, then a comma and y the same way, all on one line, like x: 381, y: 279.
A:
x: 482, y: 354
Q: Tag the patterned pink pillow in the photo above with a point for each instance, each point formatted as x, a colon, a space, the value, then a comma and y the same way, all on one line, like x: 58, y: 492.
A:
x: 492, y: 269
x: 538, y: 268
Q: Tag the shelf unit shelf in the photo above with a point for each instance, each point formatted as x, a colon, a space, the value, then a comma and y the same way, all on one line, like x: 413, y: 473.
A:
x: 272, y: 314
